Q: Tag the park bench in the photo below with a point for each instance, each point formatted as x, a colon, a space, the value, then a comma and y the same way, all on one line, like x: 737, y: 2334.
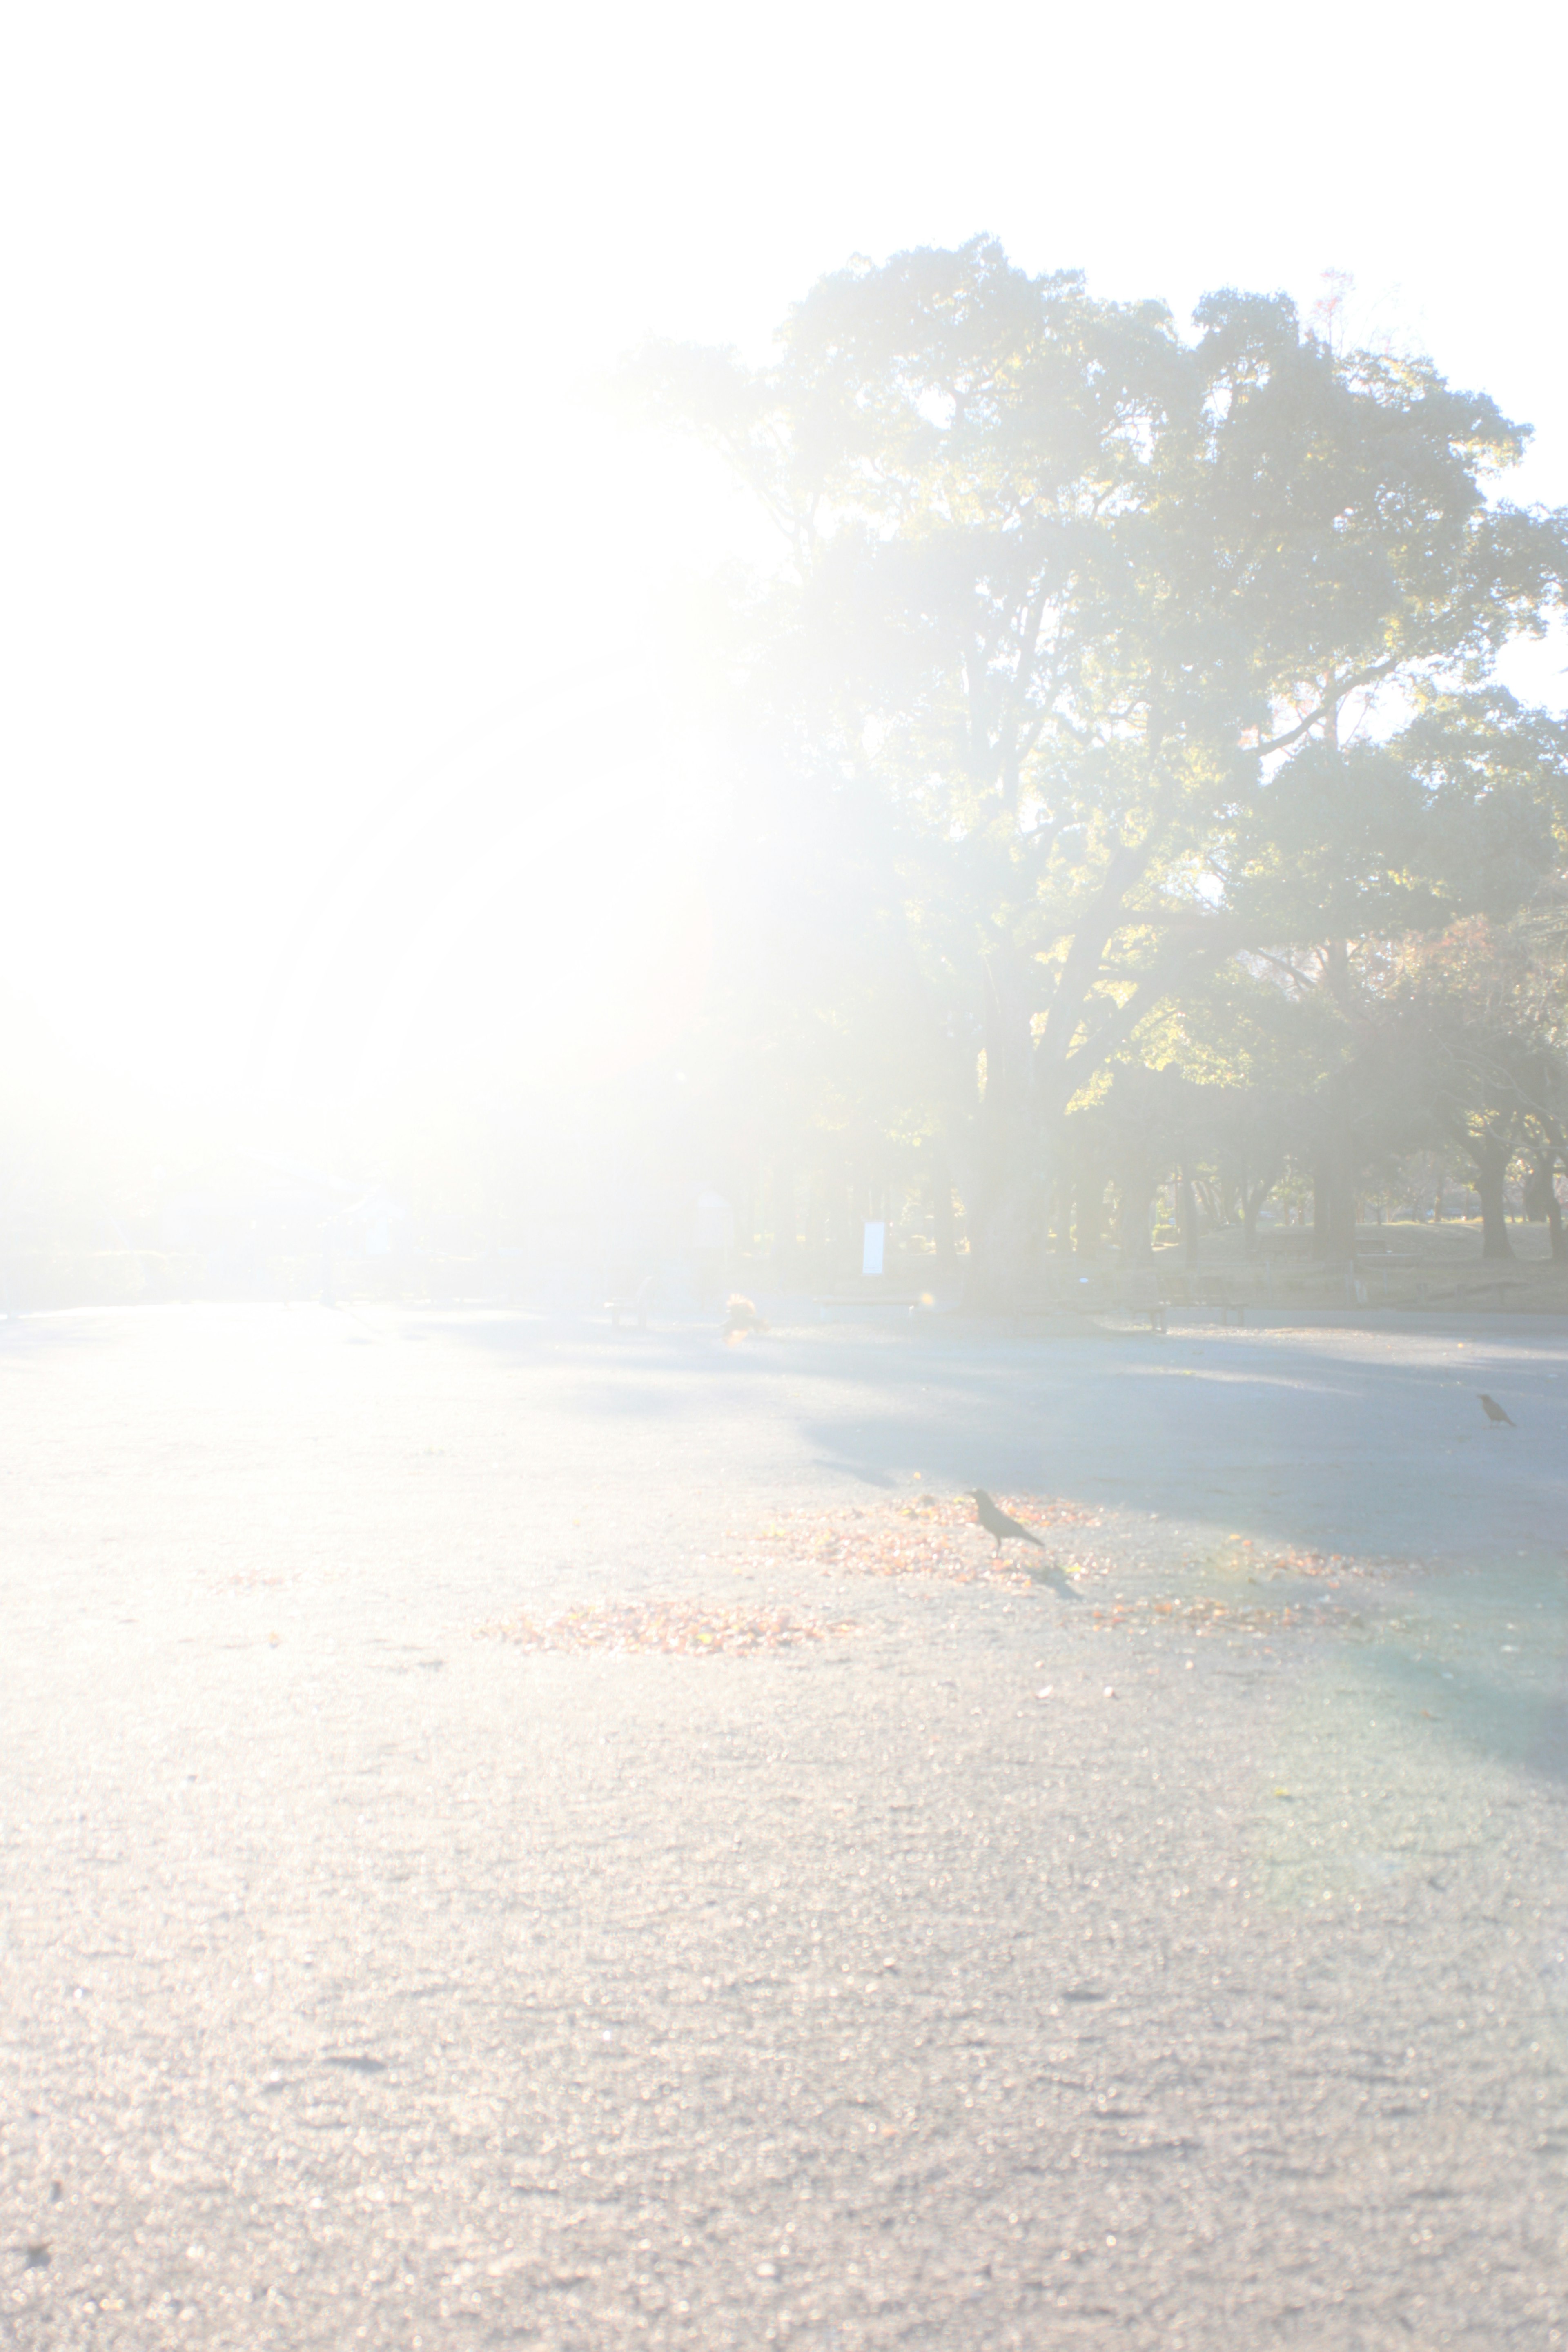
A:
x: 625, y: 1300
x: 1140, y: 1295
x: 1215, y: 1290
x: 1495, y: 1286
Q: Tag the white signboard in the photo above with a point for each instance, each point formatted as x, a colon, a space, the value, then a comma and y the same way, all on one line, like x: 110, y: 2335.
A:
x: 876, y: 1241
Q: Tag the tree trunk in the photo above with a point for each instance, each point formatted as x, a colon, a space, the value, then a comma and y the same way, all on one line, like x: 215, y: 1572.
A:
x: 1056, y: 1228
x: 1088, y: 1225
x: 1541, y: 1201
x: 1189, y: 1220
x: 1333, y: 1196
x: 1005, y: 1245
x: 1016, y: 1157
x: 787, y: 1231
x: 1491, y: 1160
x: 1252, y: 1200
x: 944, y: 1231
x: 1137, y: 1189
x: 1212, y: 1202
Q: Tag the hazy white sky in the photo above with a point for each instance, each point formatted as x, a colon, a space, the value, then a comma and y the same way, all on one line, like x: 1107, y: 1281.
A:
x: 300, y: 492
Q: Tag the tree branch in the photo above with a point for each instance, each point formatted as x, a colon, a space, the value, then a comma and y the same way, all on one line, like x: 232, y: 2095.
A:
x: 1330, y: 702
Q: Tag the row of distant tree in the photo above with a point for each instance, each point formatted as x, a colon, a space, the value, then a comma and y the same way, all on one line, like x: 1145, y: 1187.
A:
x: 1125, y: 790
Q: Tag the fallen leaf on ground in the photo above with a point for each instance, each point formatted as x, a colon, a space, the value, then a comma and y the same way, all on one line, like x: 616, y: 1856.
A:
x: 673, y: 1628
x: 933, y: 1537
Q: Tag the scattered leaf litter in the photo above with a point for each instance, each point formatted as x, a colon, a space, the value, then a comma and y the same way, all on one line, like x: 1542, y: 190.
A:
x: 669, y: 1628
x: 933, y: 1537
x: 940, y: 1537
x: 1241, y: 1556
x: 1202, y: 1612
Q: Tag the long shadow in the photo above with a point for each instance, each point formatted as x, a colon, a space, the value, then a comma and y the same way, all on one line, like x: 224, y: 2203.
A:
x: 1519, y: 1719
x: 1282, y: 1434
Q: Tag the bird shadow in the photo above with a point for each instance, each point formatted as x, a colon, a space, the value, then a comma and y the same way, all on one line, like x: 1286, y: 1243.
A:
x: 1059, y: 1581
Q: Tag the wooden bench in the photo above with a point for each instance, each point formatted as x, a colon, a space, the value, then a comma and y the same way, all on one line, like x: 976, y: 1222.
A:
x: 1141, y: 1295
x: 635, y: 1302
x: 1495, y: 1287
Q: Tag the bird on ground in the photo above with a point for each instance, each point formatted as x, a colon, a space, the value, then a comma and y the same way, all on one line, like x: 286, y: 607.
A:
x: 740, y: 1316
x: 1494, y: 1411
x: 995, y: 1521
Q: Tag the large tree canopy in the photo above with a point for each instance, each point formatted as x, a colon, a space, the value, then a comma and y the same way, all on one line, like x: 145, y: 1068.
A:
x: 1149, y: 651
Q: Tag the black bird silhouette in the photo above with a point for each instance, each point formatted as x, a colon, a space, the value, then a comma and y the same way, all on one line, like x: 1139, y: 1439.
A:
x: 997, y: 1523
x: 1494, y: 1411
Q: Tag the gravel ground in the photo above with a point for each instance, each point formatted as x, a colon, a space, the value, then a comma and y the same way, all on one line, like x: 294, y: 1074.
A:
x: 1173, y: 1952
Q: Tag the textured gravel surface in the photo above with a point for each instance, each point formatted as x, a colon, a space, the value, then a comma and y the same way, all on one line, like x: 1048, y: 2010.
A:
x: 1174, y: 1953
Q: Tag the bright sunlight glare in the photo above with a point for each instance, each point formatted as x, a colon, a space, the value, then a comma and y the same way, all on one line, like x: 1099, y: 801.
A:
x: 483, y: 922
x: 308, y: 484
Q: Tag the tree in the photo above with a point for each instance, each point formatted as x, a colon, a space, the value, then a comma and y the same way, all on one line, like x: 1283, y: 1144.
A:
x: 1090, y: 614
x: 1488, y: 1051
